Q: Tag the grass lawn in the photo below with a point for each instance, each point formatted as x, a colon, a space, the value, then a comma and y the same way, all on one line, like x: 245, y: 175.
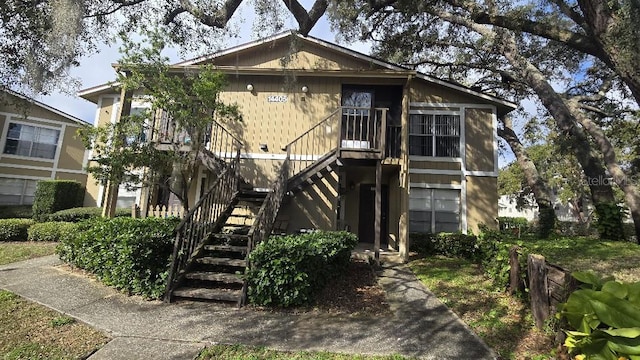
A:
x: 501, y: 320
x: 31, y: 331
x: 238, y: 352
x: 23, y: 250
x: 617, y: 258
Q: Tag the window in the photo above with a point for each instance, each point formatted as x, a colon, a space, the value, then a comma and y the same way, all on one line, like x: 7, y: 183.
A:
x: 31, y: 141
x: 434, y: 210
x: 434, y: 135
x: 17, y: 191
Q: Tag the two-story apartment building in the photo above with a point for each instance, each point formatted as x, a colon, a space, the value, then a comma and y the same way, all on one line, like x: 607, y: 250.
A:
x: 369, y: 142
x: 37, y: 142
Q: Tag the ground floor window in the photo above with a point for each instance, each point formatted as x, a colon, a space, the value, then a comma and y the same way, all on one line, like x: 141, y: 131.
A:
x: 434, y: 210
x: 17, y: 191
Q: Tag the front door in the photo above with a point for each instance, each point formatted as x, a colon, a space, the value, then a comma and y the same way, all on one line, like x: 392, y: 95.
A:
x: 367, y: 219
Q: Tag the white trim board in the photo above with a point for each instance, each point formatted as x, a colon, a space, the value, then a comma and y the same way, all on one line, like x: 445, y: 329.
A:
x: 435, y: 186
x: 453, y: 172
x: 42, y: 168
x: 18, y: 117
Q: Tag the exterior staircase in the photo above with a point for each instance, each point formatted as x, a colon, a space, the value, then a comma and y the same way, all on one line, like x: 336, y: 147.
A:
x: 317, y: 170
x: 216, y: 270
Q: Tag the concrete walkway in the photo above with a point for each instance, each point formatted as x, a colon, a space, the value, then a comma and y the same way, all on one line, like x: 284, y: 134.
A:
x: 420, y: 326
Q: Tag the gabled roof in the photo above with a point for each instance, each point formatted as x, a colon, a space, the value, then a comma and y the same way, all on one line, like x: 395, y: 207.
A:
x: 46, y: 107
x: 381, y: 64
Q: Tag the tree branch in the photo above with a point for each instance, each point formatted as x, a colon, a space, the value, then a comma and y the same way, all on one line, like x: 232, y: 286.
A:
x: 219, y: 20
x: 548, y: 31
x: 306, y: 20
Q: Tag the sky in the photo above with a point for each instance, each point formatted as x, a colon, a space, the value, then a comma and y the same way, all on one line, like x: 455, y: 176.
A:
x: 96, y: 69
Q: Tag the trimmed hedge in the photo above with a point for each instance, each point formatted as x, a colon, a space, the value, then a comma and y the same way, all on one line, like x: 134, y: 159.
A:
x: 51, y: 231
x: 448, y: 244
x: 54, y: 195
x: 14, y: 229
x: 83, y: 213
x: 130, y: 254
x: 16, y: 212
x: 290, y: 270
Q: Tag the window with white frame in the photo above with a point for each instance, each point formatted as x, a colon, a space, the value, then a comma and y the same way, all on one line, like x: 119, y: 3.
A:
x: 31, y: 141
x: 17, y: 191
x: 434, y: 210
x: 436, y: 135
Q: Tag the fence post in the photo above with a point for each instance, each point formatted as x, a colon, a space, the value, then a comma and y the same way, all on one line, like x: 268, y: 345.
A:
x: 135, y: 211
x: 538, y: 289
x: 515, y: 282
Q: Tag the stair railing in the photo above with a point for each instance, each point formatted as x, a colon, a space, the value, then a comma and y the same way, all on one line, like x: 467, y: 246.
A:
x: 203, y: 219
x: 266, y: 218
x: 311, y: 145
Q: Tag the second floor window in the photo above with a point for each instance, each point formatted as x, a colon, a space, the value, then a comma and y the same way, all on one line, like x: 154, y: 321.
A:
x: 31, y: 141
x: 434, y: 135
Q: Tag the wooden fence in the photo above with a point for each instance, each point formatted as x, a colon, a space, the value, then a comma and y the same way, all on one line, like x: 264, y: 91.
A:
x: 549, y: 284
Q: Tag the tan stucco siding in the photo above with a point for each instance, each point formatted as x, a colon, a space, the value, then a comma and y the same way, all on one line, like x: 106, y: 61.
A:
x: 92, y: 190
x: 435, y: 179
x: 482, y: 202
x: 106, y: 111
x: 285, y: 55
x: 21, y: 109
x: 479, y: 140
x: 278, y: 123
x: 25, y: 172
x: 81, y: 178
x: 314, y: 207
x: 24, y: 161
x: 72, y: 151
x: 435, y: 165
x: 421, y: 91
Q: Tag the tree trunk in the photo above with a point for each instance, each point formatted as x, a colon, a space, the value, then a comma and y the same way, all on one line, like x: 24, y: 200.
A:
x: 631, y: 195
x: 601, y: 191
x: 538, y: 186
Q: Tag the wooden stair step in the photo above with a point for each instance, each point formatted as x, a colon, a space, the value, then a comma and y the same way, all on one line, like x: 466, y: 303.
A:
x: 222, y: 261
x: 231, y: 236
x: 230, y: 248
x: 208, y: 294
x: 212, y: 276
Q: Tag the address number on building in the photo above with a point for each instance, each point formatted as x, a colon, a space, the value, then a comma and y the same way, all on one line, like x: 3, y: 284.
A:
x: 277, y: 98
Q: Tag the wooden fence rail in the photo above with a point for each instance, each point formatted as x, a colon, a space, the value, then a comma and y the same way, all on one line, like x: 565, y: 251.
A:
x: 549, y: 285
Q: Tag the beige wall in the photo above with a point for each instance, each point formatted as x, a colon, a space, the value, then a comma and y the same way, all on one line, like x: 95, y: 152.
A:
x: 435, y: 179
x: 69, y: 162
x: 421, y: 91
x: 293, y: 56
x: 435, y: 165
x: 482, y: 202
x: 314, y: 207
x: 479, y: 138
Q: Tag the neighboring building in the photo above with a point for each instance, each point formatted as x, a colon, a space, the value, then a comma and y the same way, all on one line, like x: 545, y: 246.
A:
x: 507, y: 207
x: 433, y: 142
x: 37, y: 142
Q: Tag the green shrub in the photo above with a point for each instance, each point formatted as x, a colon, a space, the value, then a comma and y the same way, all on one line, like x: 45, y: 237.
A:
x: 604, y: 317
x: 290, y: 270
x: 51, y: 231
x: 609, y: 221
x: 14, y: 229
x: 16, y: 212
x: 447, y: 244
x: 82, y: 213
x: 570, y: 228
x: 130, y: 254
x: 54, y: 195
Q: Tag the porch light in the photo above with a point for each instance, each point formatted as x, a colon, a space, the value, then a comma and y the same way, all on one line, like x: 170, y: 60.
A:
x: 249, y: 87
x: 305, y: 89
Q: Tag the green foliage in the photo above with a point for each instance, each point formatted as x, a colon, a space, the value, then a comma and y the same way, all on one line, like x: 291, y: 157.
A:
x: 14, y: 229
x: 190, y: 99
x: 604, y: 316
x: 16, y: 212
x: 130, y: 254
x: 61, y: 321
x: 83, y: 213
x: 290, y: 270
x: 54, y: 195
x: 609, y: 221
x: 494, y: 249
x: 448, y: 244
x: 51, y: 231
